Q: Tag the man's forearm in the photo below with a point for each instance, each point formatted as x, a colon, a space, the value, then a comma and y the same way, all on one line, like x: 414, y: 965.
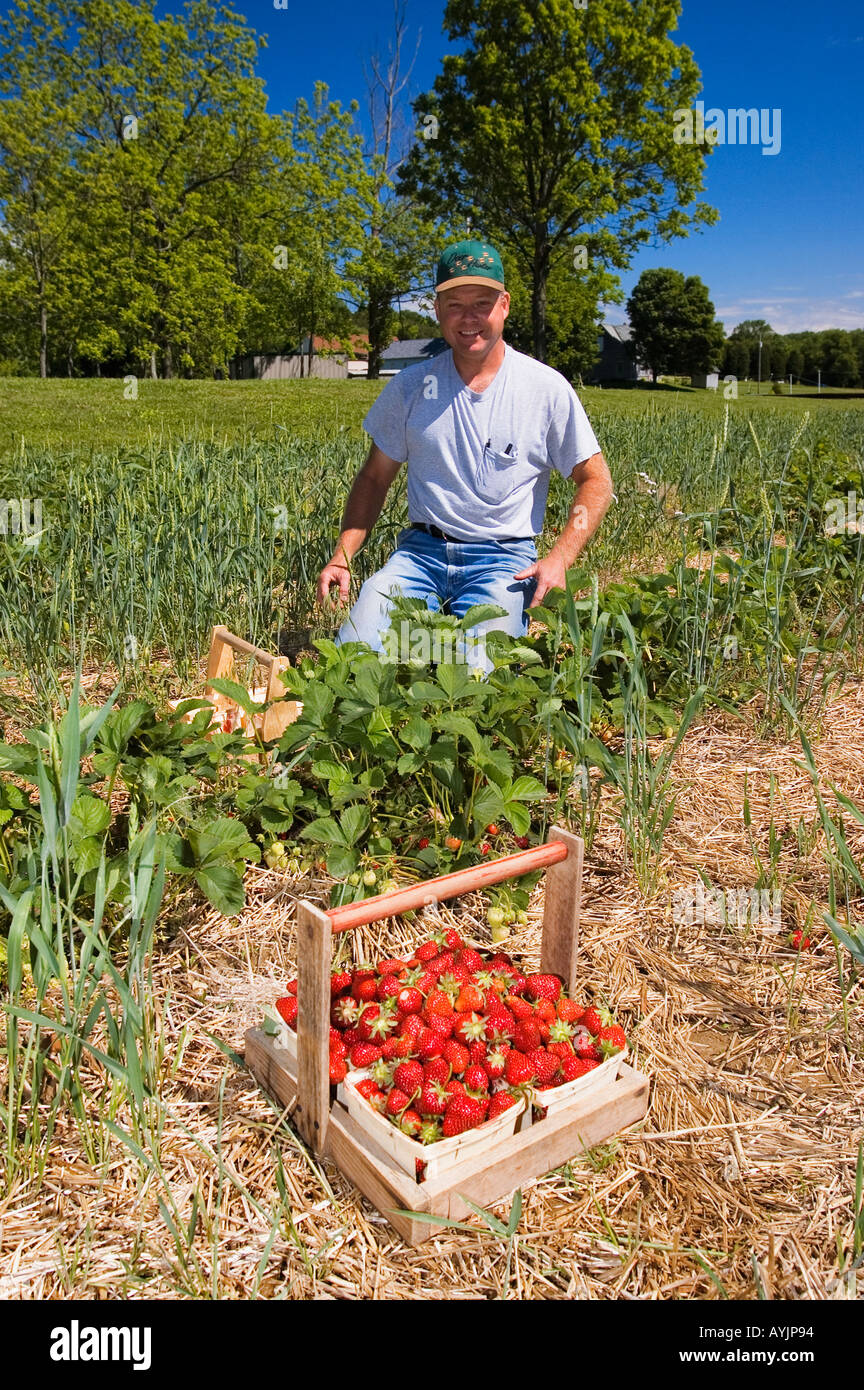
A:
x: 590, y: 505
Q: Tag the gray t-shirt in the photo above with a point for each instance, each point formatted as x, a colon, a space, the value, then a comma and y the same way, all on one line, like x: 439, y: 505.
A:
x: 479, y: 462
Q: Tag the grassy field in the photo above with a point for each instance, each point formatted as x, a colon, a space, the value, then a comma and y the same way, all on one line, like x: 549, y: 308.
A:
x: 94, y: 414
x: 709, y: 676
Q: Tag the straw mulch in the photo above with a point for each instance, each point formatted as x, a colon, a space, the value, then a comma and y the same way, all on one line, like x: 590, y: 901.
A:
x: 740, y: 1180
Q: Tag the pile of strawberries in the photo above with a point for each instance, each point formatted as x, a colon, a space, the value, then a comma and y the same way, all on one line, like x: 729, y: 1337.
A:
x: 450, y: 1038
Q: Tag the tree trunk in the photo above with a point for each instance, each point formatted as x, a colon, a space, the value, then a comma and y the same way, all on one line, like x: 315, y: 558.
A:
x: 539, y: 277
x: 43, y: 340
x: 379, y: 315
x: 169, y: 362
x: 69, y: 360
x: 153, y: 372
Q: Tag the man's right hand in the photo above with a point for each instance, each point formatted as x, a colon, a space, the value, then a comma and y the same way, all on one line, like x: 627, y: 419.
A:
x: 334, y: 572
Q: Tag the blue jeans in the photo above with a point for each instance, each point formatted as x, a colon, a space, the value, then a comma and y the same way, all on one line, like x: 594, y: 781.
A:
x: 459, y: 574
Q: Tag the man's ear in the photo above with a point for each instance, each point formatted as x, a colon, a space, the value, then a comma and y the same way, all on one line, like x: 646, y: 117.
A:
x: 506, y: 297
x: 437, y: 315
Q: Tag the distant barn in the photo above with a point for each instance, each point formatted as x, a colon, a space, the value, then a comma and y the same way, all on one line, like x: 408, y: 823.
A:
x: 408, y: 352
x: 615, y: 361
x: 329, y: 360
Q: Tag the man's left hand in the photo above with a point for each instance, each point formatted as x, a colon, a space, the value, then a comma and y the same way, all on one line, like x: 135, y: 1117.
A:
x: 550, y: 573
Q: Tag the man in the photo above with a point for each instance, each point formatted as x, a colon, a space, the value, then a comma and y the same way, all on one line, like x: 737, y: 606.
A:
x: 480, y: 427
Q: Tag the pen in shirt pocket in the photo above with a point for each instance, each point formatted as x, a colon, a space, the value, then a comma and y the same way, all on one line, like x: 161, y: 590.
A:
x: 508, y: 450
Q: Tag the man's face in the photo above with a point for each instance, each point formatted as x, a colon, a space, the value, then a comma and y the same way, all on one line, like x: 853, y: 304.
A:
x: 472, y: 318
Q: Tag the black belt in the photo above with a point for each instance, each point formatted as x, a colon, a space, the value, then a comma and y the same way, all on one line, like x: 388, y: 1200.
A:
x: 457, y: 540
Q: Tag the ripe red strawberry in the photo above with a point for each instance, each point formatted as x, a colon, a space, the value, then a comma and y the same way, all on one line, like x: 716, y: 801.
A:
x: 441, y: 1025
x: 522, y: 841
x: 374, y: 1023
x: 351, y: 1036
x: 501, y: 1101
x: 517, y: 982
x: 411, y: 1027
x: 454, y: 1088
x: 434, y: 1098
x: 291, y: 987
x: 526, y: 1036
x: 345, y: 1011
x: 495, y: 1059
x: 477, y: 1053
x: 471, y: 959
x: 587, y: 1049
x: 519, y: 1008
x: 544, y: 1009
x: 517, y: 1069
x: 427, y: 951
x: 365, y: 990
x: 340, y: 980
x: 423, y: 844
x: 612, y: 1040
x: 287, y: 1007
x: 409, y: 1001
x: 574, y: 1067
x: 411, y: 1123
x: 371, y: 1091
x: 397, y: 1101
x: 452, y: 939
x: 568, y: 1010
x: 396, y: 1047
x: 363, y: 1054
x: 546, y: 1066
x: 436, y: 1069
x: 391, y: 967
x: 462, y: 1113
x: 468, y: 1027
x: 595, y: 1019
x: 338, y: 1069
x: 457, y: 1055
x: 337, y: 1043
x: 408, y: 1077
x: 500, y: 1026
x: 388, y: 987
x: 470, y: 998
x: 438, y: 1002
x: 543, y: 987
x: 476, y: 1078
x: 429, y: 1044
x: 560, y: 1049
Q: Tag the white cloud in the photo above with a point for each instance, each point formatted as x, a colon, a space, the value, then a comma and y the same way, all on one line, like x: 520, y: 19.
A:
x: 797, y: 314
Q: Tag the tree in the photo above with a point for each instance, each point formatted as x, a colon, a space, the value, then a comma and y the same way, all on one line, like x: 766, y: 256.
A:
x: 555, y: 124
x: 400, y: 242
x: 673, y: 325
x: 736, y: 358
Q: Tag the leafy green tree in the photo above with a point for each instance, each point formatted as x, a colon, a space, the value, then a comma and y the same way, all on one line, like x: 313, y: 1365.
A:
x: 736, y: 358
x: 555, y: 123
x: 673, y: 325
x: 795, y: 363
x: 840, y: 364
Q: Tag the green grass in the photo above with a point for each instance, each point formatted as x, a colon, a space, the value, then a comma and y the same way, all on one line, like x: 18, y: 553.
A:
x: 94, y: 414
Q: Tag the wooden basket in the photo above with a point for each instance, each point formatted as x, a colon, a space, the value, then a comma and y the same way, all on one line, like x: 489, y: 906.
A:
x: 509, y: 1160
x: 224, y: 646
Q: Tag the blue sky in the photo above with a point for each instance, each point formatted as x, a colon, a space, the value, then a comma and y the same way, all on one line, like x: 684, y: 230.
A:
x: 789, y: 246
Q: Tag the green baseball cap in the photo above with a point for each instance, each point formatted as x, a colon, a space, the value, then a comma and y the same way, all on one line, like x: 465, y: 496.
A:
x: 470, y: 263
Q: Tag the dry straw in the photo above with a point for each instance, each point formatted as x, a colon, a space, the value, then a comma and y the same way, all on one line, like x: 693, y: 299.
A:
x: 739, y: 1184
